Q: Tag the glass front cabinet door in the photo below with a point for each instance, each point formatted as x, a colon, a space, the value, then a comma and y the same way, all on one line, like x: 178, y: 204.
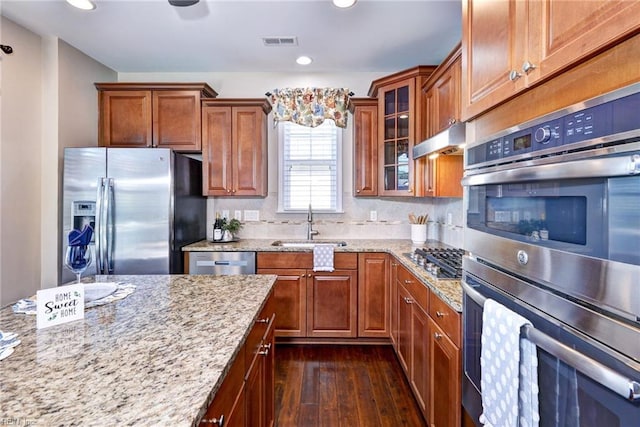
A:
x: 399, y: 129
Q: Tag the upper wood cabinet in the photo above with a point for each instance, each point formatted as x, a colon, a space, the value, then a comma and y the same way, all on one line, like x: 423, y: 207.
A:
x: 399, y: 128
x: 164, y: 115
x: 365, y: 146
x: 234, y: 147
x: 441, y: 99
x: 509, y: 46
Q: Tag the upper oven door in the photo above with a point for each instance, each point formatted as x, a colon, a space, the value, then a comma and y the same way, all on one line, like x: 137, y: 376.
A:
x: 572, y: 225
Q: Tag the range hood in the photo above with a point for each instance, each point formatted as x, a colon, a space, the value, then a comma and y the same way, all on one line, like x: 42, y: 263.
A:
x: 446, y: 142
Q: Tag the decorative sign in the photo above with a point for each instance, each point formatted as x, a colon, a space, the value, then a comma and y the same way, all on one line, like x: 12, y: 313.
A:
x: 61, y: 304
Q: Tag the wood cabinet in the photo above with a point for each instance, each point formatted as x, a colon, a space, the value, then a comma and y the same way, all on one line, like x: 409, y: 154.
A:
x: 260, y: 376
x: 246, y: 397
x: 445, y: 366
x: 365, y: 146
x: 442, y: 175
x: 393, y: 282
x: 374, y: 308
x: 509, y: 46
x: 399, y: 128
x: 313, y: 304
x: 428, y: 345
x: 441, y: 95
x: 234, y: 147
x: 412, y: 340
x: 163, y: 115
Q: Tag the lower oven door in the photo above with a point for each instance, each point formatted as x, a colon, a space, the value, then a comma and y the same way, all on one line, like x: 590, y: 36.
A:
x: 581, y: 382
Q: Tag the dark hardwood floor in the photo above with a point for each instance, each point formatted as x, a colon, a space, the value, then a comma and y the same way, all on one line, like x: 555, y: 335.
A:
x: 334, y: 385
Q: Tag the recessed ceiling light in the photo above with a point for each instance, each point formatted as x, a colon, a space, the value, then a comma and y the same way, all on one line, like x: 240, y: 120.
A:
x: 344, y: 3
x: 304, y: 60
x: 82, y: 4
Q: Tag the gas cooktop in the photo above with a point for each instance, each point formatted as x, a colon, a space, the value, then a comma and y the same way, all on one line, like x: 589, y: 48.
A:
x: 441, y: 263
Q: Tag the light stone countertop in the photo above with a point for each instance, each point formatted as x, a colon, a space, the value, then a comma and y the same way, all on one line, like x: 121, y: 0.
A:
x: 450, y: 291
x: 156, y: 357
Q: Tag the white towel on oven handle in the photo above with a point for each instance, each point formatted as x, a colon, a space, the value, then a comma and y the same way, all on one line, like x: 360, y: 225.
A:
x: 323, y: 257
x: 509, y: 374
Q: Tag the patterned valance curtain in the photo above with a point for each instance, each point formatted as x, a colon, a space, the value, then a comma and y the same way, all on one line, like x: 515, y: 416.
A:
x: 310, y: 106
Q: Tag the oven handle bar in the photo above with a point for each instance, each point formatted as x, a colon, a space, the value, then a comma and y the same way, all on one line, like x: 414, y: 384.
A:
x: 609, y: 378
x: 590, y: 168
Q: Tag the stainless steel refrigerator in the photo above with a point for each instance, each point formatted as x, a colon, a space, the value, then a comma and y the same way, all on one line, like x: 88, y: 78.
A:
x: 144, y: 205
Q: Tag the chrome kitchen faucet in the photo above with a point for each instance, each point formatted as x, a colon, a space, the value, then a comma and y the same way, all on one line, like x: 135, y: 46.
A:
x: 310, y: 231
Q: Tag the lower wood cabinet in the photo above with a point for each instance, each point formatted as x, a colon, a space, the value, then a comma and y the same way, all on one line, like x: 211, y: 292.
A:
x: 246, y: 397
x: 312, y: 304
x: 427, y: 343
x: 374, y: 310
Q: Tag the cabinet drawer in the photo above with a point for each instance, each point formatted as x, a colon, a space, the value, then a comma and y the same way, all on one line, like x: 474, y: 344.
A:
x: 445, y: 317
x: 341, y: 260
x: 418, y: 291
x: 259, y: 330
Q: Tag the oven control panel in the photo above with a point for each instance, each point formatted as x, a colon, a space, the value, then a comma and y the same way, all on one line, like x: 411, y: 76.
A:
x: 545, y: 137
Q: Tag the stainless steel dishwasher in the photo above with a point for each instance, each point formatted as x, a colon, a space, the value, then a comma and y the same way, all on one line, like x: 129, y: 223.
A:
x: 222, y: 263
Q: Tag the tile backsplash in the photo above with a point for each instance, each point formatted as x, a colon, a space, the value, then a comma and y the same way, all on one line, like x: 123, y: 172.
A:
x: 445, y: 219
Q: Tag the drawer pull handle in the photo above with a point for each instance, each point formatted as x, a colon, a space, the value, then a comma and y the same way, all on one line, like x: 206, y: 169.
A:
x: 407, y: 281
x: 217, y: 421
x: 265, y: 349
x: 440, y: 314
x: 437, y: 336
x: 265, y: 320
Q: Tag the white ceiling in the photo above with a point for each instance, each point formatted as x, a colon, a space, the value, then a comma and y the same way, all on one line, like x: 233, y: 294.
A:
x: 226, y: 36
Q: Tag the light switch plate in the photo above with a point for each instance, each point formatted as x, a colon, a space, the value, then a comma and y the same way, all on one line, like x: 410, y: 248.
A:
x: 251, y: 215
x: 237, y: 215
x: 373, y: 215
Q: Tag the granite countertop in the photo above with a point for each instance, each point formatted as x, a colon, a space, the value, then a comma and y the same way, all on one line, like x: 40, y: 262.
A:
x: 156, y: 357
x: 450, y: 291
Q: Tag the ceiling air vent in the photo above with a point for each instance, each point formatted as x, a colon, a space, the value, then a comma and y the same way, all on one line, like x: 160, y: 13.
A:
x: 280, y: 41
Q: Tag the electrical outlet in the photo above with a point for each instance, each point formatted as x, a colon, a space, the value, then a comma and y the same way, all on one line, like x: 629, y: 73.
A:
x: 225, y: 213
x: 373, y: 215
x: 237, y: 215
x: 250, y: 215
x: 449, y: 218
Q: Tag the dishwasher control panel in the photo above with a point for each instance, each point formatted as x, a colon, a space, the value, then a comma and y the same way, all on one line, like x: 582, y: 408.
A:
x: 222, y: 263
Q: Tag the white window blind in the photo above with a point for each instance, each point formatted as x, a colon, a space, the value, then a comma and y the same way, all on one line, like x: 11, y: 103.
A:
x: 310, y: 167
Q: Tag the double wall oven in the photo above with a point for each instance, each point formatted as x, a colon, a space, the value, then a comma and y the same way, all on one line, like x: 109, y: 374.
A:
x: 553, y: 233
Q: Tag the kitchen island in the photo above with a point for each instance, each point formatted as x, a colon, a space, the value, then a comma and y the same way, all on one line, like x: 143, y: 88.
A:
x: 156, y: 357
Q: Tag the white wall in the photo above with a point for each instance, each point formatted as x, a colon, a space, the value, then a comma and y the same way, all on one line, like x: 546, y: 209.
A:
x: 20, y: 163
x: 48, y: 101
x: 354, y: 223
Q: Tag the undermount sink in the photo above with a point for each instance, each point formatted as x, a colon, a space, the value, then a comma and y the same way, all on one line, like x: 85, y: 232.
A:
x: 306, y: 244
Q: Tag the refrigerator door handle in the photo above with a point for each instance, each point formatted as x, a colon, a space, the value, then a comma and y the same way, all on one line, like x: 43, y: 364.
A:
x: 100, y: 232
x: 109, y: 226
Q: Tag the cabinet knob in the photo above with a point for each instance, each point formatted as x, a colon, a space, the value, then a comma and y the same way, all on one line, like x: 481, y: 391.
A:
x: 437, y: 336
x: 440, y: 314
x: 216, y: 421
x: 410, y: 190
x: 408, y: 300
x: 358, y: 190
x: 514, y: 75
x: 228, y: 191
x: 527, y: 67
x: 309, y: 275
x: 265, y: 349
x: 303, y: 275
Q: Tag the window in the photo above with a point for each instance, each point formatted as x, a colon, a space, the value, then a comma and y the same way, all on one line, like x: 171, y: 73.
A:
x: 310, y: 165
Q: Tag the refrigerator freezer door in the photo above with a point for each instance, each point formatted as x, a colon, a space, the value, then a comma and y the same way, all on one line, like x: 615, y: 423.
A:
x: 83, y: 170
x: 141, y: 210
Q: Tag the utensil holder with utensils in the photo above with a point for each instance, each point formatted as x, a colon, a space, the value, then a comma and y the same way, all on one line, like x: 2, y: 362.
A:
x: 418, y: 228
